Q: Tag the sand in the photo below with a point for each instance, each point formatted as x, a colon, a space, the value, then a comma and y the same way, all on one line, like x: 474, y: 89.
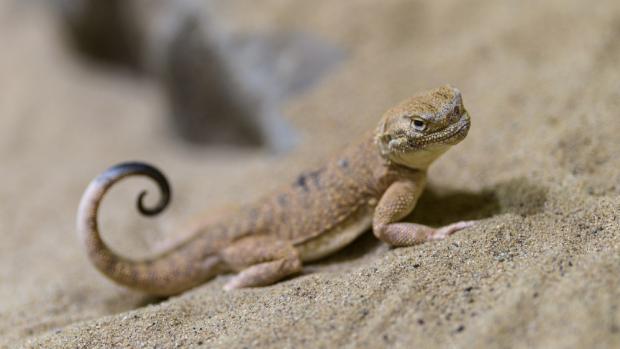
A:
x: 540, y: 169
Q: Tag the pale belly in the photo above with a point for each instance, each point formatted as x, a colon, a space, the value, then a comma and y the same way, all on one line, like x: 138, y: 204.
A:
x: 335, y: 239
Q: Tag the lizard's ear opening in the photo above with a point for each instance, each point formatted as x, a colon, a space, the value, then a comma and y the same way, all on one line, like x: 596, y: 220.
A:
x: 383, y: 140
x: 383, y: 137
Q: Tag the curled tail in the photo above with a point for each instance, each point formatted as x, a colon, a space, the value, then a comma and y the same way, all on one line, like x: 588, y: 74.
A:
x: 172, y: 272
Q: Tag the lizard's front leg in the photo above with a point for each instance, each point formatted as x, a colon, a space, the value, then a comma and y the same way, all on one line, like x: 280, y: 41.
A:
x: 395, y: 204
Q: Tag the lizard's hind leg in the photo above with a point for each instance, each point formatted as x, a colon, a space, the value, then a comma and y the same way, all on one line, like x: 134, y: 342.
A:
x: 260, y: 260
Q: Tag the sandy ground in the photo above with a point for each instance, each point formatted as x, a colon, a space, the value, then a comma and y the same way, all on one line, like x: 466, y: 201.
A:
x: 540, y: 168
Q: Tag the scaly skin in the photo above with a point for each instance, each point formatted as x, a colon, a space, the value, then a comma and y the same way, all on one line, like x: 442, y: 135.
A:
x: 374, y: 183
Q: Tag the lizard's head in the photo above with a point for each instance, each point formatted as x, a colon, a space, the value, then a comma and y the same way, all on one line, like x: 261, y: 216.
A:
x: 421, y: 128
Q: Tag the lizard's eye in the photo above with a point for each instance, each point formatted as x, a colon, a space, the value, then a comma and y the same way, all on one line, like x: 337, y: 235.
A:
x: 419, y: 124
x: 456, y: 110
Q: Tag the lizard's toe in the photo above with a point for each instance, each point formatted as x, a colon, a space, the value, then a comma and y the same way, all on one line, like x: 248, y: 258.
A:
x: 230, y: 285
x: 443, y: 232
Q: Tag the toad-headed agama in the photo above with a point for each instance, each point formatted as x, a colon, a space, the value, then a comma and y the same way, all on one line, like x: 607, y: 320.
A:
x: 372, y: 183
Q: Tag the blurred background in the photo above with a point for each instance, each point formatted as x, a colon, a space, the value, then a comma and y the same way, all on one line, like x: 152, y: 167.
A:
x: 221, y: 84
x: 233, y: 98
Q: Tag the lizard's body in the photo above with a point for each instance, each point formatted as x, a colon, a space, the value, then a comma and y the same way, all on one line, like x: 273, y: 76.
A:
x: 374, y: 182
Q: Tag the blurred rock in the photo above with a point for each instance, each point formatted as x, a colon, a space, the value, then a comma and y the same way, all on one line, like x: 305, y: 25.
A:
x: 224, y: 86
x: 102, y: 30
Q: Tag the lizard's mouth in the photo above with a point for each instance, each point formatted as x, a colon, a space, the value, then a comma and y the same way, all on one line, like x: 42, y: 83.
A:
x: 458, y: 131
x: 450, y: 135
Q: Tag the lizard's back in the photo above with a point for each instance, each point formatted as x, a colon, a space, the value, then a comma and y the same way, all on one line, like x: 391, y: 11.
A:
x: 321, y: 210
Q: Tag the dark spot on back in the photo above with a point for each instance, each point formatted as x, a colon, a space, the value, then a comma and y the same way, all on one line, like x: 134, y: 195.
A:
x: 311, y: 176
x: 301, y: 182
x: 344, y: 163
x: 315, y: 176
x: 283, y: 199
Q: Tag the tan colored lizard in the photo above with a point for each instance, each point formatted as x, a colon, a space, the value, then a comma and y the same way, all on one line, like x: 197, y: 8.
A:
x: 373, y: 183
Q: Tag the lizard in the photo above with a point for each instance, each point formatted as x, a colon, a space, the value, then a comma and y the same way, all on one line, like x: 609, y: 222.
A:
x: 372, y: 184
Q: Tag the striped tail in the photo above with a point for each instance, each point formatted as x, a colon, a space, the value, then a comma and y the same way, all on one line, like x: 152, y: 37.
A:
x: 174, y: 271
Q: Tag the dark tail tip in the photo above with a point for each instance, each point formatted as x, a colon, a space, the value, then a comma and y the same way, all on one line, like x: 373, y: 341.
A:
x: 139, y: 168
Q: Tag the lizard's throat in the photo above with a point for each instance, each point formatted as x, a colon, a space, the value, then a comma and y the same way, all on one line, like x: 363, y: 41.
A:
x: 420, y: 158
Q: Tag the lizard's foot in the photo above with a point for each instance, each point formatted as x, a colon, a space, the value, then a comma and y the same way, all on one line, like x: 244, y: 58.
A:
x: 445, y: 231
x: 264, y: 274
x: 409, y: 234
